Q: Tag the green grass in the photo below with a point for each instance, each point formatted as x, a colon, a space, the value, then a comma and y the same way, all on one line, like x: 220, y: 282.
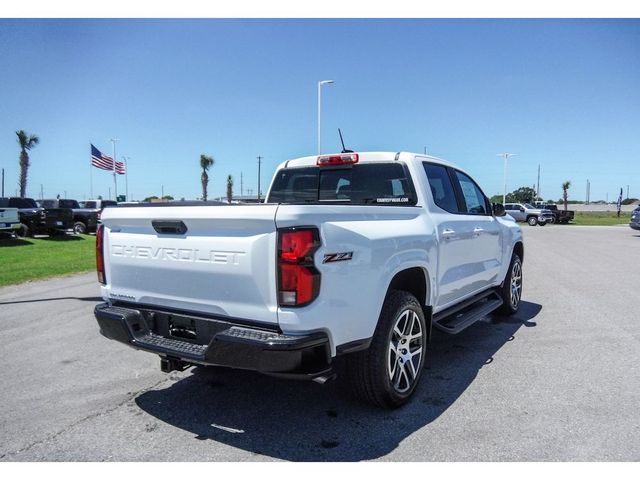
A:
x: 601, y: 218
x: 38, y: 258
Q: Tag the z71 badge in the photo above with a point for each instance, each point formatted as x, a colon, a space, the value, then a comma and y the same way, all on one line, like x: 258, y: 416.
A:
x: 337, y: 257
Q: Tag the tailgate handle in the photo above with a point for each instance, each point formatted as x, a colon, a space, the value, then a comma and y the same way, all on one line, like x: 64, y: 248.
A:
x: 176, y: 227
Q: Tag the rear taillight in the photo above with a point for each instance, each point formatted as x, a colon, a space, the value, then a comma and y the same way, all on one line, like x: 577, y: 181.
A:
x: 298, y: 279
x: 100, y: 254
x: 338, y: 159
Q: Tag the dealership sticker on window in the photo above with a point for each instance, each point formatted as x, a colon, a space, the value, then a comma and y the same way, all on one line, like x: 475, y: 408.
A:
x: 392, y: 200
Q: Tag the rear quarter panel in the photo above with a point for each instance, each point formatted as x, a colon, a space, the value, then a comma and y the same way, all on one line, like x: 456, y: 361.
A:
x: 384, y: 240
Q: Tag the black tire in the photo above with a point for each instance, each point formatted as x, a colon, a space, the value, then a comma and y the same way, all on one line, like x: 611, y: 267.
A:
x: 532, y: 220
x: 23, y: 231
x: 370, y: 373
x: 511, y: 303
x: 79, y: 228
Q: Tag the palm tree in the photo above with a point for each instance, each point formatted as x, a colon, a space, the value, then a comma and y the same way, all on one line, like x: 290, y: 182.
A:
x: 565, y: 194
x: 229, y: 188
x: 26, y: 142
x: 205, y: 163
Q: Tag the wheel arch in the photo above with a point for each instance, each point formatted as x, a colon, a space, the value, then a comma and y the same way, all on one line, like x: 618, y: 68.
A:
x: 518, y: 249
x: 414, y: 280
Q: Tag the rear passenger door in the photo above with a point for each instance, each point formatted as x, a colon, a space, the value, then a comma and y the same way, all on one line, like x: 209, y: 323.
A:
x: 485, y: 232
x: 468, y: 235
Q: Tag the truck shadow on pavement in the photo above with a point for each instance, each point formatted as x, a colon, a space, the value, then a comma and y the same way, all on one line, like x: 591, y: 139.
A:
x: 302, y: 421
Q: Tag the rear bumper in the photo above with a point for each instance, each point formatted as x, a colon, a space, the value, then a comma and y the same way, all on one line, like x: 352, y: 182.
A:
x: 216, y: 342
x: 6, y: 227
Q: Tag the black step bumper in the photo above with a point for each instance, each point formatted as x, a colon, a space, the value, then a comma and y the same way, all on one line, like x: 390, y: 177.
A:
x: 225, y: 344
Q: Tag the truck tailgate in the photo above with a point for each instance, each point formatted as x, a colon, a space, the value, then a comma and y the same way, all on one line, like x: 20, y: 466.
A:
x: 223, y: 265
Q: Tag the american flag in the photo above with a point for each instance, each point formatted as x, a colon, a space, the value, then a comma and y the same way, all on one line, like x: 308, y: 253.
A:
x: 105, y: 162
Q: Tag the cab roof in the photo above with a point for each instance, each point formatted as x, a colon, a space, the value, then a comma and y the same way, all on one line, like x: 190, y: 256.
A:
x: 368, y: 157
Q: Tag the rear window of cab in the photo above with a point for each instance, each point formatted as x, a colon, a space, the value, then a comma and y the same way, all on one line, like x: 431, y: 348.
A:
x: 359, y: 184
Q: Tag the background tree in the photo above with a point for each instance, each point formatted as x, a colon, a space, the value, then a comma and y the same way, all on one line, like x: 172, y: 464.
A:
x: 523, y: 195
x: 26, y: 142
x: 229, y: 188
x: 565, y: 193
x: 205, y: 163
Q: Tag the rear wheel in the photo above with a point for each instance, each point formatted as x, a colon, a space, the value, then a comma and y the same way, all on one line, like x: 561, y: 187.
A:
x: 79, y: 227
x: 533, y: 221
x: 387, y: 373
x: 23, y: 231
x: 511, y: 290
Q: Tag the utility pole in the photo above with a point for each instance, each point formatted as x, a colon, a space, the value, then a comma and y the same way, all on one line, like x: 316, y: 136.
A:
x: 162, y: 194
x: 241, y: 186
x: 425, y: 150
x: 627, y: 191
x: 41, y: 192
x: 3, y: 182
x: 259, y: 161
x: 538, y: 189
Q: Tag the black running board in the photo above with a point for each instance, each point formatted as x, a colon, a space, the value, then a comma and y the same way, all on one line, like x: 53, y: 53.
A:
x: 455, y: 319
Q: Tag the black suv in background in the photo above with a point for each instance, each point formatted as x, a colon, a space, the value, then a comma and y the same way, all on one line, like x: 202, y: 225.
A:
x: 35, y: 219
x: 85, y: 220
x: 635, y: 219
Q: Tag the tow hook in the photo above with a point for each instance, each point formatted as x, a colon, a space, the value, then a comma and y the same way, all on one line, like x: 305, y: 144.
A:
x: 173, y: 364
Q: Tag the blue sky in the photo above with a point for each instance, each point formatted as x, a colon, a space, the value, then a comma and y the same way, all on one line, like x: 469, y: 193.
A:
x: 560, y: 93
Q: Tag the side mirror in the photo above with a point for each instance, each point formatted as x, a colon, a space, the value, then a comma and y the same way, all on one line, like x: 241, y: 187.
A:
x: 522, y: 209
x: 498, y: 210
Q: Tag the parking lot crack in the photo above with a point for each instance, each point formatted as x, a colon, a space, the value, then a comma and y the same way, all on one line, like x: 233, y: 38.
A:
x: 69, y: 427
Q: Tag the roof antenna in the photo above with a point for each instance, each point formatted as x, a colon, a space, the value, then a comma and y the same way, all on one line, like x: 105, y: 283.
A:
x: 344, y: 150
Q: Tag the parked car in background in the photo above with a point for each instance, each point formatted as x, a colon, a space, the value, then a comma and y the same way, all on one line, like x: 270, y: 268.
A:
x: 9, y: 220
x: 635, y: 219
x: 525, y: 212
x: 559, y: 216
x: 36, y: 220
x: 85, y: 220
x: 98, y: 204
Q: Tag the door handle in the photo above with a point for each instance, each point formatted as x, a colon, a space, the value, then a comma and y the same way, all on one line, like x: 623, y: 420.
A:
x: 447, y: 233
x: 477, y: 231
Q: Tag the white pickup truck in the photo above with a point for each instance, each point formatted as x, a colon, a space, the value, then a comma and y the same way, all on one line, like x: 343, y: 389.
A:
x: 355, y: 254
x: 9, y: 219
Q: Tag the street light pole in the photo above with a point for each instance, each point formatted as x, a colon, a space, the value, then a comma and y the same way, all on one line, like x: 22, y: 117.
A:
x: 320, y: 84
x: 506, y: 156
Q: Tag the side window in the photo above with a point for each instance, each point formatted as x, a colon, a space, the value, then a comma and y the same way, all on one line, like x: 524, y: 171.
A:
x: 441, y: 187
x: 474, y: 199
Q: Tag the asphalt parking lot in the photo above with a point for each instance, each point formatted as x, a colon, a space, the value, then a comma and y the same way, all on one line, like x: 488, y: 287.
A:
x: 560, y: 381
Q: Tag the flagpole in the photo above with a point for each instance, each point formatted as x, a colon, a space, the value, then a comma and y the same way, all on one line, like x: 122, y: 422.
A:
x: 126, y: 177
x: 115, y: 181
x: 90, y: 174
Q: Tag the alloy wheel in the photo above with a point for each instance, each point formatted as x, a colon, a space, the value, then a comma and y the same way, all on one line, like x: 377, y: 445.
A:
x: 405, y: 351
